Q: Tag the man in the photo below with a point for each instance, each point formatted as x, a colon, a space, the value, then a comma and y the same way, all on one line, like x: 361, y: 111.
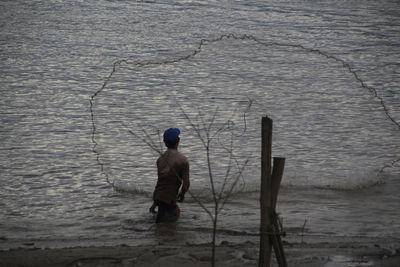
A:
x: 173, y: 171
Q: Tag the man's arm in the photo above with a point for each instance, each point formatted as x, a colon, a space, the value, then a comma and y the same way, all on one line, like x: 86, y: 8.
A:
x: 153, y: 208
x: 185, y: 181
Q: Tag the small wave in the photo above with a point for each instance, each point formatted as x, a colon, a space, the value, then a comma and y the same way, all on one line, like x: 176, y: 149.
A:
x: 351, y: 186
x: 123, y: 187
x: 204, y: 195
x: 221, y: 231
x: 353, y: 181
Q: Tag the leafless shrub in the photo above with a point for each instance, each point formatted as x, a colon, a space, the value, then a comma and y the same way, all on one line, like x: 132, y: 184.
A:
x: 210, y: 133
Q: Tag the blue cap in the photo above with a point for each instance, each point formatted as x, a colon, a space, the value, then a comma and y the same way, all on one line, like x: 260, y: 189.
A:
x: 171, y: 135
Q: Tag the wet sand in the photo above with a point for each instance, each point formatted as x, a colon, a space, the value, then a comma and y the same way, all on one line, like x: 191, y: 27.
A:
x: 321, y: 252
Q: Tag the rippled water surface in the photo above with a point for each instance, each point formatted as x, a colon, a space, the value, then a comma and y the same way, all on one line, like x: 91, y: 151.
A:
x: 83, y: 82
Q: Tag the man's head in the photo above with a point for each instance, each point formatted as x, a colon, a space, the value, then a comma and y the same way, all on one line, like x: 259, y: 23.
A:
x: 171, y: 137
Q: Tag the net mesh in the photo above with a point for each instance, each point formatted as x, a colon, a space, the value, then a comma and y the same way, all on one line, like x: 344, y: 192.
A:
x: 334, y: 129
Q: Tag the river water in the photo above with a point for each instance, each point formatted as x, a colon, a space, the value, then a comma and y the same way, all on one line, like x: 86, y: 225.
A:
x: 88, y: 86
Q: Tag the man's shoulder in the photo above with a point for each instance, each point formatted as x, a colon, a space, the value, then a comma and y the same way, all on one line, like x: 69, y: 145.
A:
x: 173, y: 154
x: 181, y: 157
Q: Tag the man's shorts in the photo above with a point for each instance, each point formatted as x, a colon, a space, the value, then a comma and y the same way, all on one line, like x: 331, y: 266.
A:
x: 166, y: 210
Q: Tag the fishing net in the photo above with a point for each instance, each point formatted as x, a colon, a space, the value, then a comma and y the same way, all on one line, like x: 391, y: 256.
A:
x: 334, y: 130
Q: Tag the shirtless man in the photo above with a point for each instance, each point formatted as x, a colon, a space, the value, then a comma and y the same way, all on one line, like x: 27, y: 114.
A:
x: 173, y: 171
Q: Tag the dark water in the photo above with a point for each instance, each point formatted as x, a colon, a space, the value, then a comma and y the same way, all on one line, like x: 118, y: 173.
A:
x: 326, y: 72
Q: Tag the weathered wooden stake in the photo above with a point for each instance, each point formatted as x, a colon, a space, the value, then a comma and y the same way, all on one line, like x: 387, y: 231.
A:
x: 276, y: 179
x: 270, y: 183
x: 265, y: 197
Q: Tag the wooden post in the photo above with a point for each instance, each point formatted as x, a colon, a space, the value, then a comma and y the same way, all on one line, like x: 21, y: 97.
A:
x: 270, y: 183
x: 277, y: 172
x: 276, y: 240
x: 266, y: 196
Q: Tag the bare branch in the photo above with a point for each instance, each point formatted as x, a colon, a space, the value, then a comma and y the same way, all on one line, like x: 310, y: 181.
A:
x: 211, y: 123
x: 201, y: 205
x: 147, y: 142
x: 223, y: 127
x: 246, y: 111
x: 211, y: 177
x: 151, y: 140
x: 236, y: 180
x: 196, y: 129
x: 228, y: 170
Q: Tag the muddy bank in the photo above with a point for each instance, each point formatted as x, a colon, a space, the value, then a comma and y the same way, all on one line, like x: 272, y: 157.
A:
x: 311, y: 253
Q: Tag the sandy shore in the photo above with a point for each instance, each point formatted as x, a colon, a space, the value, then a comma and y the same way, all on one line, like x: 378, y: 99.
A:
x: 321, y: 253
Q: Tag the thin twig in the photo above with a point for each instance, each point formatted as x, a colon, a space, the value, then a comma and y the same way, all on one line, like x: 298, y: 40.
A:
x: 302, y: 230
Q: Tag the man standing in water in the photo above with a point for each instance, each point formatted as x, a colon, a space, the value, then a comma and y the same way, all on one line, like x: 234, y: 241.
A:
x: 173, y: 171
